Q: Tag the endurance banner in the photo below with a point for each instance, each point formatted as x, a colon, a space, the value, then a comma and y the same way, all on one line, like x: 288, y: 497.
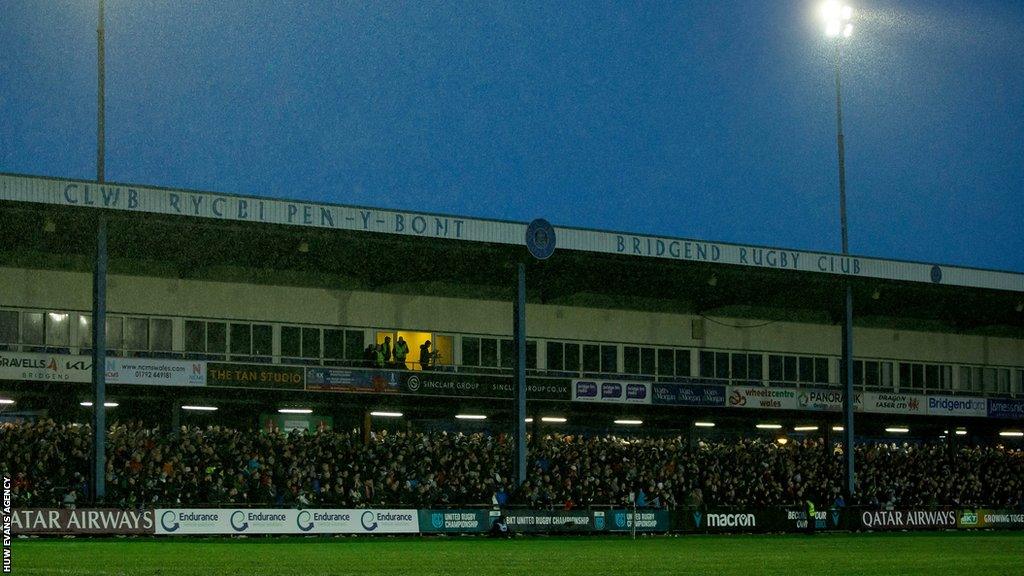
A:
x: 276, y: 521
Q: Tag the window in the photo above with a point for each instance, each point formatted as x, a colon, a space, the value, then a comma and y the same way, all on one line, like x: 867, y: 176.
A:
x: 508, y: 354
x: 216, y: 337
x: 591, y: 358
x: 311, y: 343
x: 666, y: 362
x: 872, y: 374
x: 683, y: 363
x: 334, y: 344
x: 804, y: 369
x: 354, y: 344
x: 32, y: 331
x: 136, y: 334
x: 241, y: 339
x: 195, y: 336
x: 609, y: 359
x: 489, y: 352
x: 291, y: 341
x: 638, y: 360
x: 8, y: 329
x: 714, y: 365
x: 572, y: 357
x: 160, y: 335
x: 58, y: 329
x: 262, y: 340
x: 470, y: 351
x: 917, y: 376
x: 747, y: 367
x: 556, y: 356
x: 114, y: 333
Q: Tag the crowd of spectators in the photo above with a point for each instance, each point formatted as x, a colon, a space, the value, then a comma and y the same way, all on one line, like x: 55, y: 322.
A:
x: 215, y: 465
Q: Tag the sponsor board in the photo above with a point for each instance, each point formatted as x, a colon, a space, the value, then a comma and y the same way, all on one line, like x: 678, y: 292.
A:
x: 548, y: 521
x: 761, y: 397
x: 823, y: 400
x: 796, y: 520
x: 1005, y: 408
x: 992, y: 519
x: 156, y: 371
x: 453, y: 521
x: 645, y: 520
x: 352, y: 380
x: 957, y: 406
x: 81, y: 521
x: 278, y: 521
x: 254, y: 376
x: 436, y: 383
x: 611, y: 391
x: 888, y: 403
x: 45, y: 367
x: 686, y: 394
x: 907, y: 519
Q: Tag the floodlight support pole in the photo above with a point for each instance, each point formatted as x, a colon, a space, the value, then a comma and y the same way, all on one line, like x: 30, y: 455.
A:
x: 519, y: 333
x: 846, y: 365
x: 99, y: 292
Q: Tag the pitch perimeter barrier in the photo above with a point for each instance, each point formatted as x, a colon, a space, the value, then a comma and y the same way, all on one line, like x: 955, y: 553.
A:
x: 260, y: 521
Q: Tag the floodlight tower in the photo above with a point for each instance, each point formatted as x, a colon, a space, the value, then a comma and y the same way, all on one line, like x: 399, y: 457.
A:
x: 839, y: 28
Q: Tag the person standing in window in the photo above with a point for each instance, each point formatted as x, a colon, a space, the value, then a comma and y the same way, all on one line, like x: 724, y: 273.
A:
x: 425, y: 355
x: 387, y: 351
x: 401, y: 351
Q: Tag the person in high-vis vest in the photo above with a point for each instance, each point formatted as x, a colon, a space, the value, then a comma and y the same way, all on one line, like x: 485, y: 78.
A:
x: 811, y: 513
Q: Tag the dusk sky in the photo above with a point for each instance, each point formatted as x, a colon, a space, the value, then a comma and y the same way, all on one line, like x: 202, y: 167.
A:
x: 709, y: 120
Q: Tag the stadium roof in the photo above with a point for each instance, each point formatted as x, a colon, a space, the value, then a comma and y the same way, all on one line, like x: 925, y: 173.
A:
x: 185, y: 233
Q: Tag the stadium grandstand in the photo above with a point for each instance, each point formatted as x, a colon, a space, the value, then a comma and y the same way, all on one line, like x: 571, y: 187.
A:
x: 267, y: 352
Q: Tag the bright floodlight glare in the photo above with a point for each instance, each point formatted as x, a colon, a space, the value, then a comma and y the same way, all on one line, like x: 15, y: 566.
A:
x: 1011, y: 433
x: 470, y: 417
x: 837, y: 428
x: 557, y: 419
x: 200, y: 408
x: 528, y: 420
x: 835, y: 15
x: 769, y: 426
x: 387, y: 414
x: 629, y: 422
x: 897, y: 430
x: 782, y: 440
x: 295, y: 410
x: 804, y: 428
x: 961, y: 432
x: 105, y: 404
x: 6, y: 401
x: 704, y: 424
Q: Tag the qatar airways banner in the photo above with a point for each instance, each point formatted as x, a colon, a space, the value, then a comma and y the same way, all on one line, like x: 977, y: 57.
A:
x: 95, y: 521
x: 616, y: 392
x: 277, y: 521
x: 906, y: 519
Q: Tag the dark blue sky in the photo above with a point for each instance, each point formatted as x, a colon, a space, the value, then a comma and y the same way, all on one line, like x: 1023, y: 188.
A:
x: 712, y: 120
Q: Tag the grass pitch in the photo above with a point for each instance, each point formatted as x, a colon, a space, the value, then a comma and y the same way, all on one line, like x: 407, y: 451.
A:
x: 934, y: 554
